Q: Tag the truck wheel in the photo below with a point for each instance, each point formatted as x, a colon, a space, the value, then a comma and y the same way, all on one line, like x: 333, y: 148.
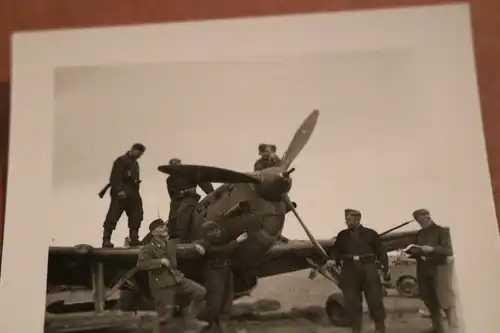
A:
x: 407, y: 286
x: 335, y: 310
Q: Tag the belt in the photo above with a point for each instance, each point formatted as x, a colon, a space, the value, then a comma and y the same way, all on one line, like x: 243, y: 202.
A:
x: 362, y: 259
x: 218, y: 263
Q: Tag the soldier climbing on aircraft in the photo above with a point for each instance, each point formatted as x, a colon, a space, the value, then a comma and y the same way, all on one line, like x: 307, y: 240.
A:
x: 166, y: 280
x: 356, y: 250
x: 124, y: 182
x: 183, y: 197
x: 268, y: 157
x: 218, y: 275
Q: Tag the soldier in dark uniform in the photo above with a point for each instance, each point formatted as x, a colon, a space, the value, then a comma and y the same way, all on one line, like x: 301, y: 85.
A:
x: 124, y: 182
x: 434, y: 271
x: 268, y: 157
x: 183, y: 197
x: 218, y: 275
x: 359, y: 252
x: 166, y: 281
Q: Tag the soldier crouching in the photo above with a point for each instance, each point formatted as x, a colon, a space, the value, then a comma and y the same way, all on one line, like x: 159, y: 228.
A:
x: 166, y: 280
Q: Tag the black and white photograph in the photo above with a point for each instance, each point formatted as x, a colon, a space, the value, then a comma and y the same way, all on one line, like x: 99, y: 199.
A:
x: 281, y: 192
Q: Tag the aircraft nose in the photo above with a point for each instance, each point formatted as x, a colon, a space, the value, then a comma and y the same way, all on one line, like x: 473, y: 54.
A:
x: 274, y: 185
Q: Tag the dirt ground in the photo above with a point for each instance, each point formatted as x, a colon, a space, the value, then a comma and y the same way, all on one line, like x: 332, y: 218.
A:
x: 301, y: 297
x: 299, y: 307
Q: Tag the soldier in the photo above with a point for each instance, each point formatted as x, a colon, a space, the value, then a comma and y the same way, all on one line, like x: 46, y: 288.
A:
x: 357, y: 250
x: 125, y: 197
x: 434, y: 272
x: 218, y: 275
x: 166, y: 281
x: 268, y: 157
x: 152, y: 226
x: 182, y: 192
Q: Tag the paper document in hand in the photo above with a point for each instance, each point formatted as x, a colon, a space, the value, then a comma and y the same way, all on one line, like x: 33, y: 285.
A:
x: 411, y: 246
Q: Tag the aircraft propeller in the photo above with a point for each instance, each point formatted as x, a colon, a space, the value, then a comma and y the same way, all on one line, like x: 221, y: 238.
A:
x: 298, y: 143
x: 299, y: 140
x: 203, y: 173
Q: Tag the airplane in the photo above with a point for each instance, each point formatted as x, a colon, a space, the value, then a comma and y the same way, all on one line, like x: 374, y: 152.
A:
x: 255, y: 202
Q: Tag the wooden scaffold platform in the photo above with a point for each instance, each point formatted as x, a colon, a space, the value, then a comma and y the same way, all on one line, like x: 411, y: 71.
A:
x: 101, y: 320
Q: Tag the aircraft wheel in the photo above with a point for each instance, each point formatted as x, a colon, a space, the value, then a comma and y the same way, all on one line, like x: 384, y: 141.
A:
x: 407, y: 286
x: 335, y: 310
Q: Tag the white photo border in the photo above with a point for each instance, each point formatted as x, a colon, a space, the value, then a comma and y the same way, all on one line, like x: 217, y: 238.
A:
x: 37, y: 54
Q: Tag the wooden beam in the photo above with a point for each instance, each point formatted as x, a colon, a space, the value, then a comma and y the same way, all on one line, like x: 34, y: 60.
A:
x: 98, y: 286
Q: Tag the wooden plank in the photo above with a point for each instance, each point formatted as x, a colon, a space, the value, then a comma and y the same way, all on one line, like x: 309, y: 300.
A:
x: 98, y: 286
x: 107, y: 320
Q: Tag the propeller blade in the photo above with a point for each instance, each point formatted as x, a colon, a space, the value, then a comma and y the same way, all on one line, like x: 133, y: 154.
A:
x: 202, y: 173
x: 289, y: 203
x: 299, y: 140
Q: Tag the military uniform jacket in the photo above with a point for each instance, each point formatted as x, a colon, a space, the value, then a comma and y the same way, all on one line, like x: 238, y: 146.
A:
x: 150, y: 257
x: 439, y: 238
x: 179, y: 187
x: 359, y: 242
x: 125, y: 175
x: 264, y: 163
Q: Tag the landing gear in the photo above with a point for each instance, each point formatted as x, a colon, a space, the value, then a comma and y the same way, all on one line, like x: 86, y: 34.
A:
x: 335, y: 310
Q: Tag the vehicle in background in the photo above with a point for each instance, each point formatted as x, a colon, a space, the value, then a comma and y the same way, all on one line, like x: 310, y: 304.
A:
x: 404, y: 275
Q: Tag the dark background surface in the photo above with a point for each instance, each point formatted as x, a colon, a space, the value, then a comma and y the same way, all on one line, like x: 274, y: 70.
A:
x: 23, y: 15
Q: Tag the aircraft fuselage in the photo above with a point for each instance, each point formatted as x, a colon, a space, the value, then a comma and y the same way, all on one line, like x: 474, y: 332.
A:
x: 242, y: 207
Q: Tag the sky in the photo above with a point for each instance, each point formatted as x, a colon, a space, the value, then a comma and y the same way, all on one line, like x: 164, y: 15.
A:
x: 368, y: 151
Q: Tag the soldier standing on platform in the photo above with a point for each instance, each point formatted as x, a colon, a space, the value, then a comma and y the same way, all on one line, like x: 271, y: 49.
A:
x: 124, y: 182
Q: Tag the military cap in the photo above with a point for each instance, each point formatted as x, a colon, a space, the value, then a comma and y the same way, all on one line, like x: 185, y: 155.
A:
x: 174, y: 160
x: 156, y: 224
x: 352, y: 212
x: 262, y: 147
x: 420, y: 212
x: 139, y: 146
x: 265, y: 146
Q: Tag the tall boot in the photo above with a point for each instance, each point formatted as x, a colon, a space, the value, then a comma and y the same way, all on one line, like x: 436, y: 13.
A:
x: 357, y: 325
x: 224, y: 326
x: 380, y: 326
x: 437, y: 322
x: 106, y: 238
x: 134, y: 237
x: 190, y: 320
x: 451, y: 317
x: 213, y: 327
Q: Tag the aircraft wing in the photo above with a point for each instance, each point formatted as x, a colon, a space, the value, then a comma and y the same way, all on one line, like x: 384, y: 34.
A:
x: 73, y: 265
x: 292, y: 256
